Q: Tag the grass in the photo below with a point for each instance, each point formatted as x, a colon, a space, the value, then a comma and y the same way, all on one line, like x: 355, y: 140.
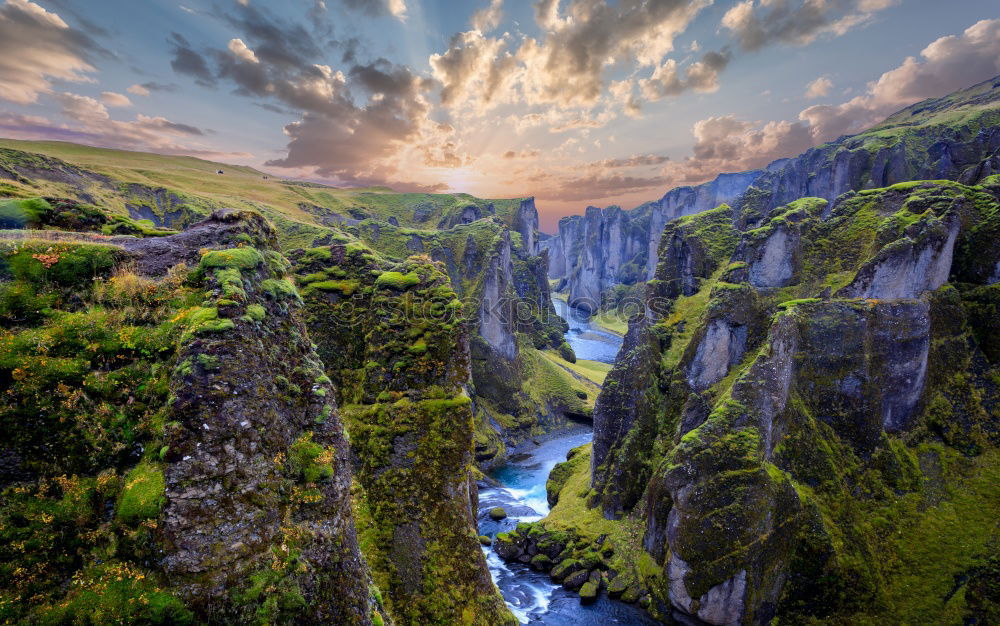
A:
x: 594, y: 371
x: 302, y: 206
x: 612, y: 322
x: 943, y: 544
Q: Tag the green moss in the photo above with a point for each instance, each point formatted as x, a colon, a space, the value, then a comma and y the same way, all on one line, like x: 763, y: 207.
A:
x: 116, y: 593
x: 235, y: 258
x: 143, y: 495
x: 279, y: 288
x: 63, y: 264
x: 346, y: 287
x: 309, y: 460
x: 205, y: 321
x: 397, y: 280
x: 21, y: 213
x: 256, y: 312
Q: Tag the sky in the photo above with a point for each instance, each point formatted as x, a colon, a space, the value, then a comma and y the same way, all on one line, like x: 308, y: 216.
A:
x: 575, y: 102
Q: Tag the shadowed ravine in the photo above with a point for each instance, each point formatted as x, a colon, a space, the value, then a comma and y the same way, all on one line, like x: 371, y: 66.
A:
x: 530, y: 594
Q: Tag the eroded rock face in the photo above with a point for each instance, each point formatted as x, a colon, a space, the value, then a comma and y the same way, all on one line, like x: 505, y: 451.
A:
x: 906, y: 268
x: 722, y: 347
x: 606, y: 247
x: 396, y: 342
x: 773, y: 263
x: 773, y: 392
x: 235, y: 432
x: 496, y: 310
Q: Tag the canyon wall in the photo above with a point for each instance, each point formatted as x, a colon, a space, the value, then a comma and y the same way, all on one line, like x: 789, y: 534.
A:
x: 603, y: 248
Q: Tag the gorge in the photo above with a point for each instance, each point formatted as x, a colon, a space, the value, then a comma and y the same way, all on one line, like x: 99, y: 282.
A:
x: 234, y: 399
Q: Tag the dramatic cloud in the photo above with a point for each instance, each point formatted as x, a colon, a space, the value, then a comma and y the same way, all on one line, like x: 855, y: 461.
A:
x: 473, y: 70
x: 113, y: 99
x: 758, y: 23
x: 488, y: 18
x: 728, y: 144
x: 947, y: 64
x: 36, y: 47
x: 354, y: 144
x: 396, y: 8
x: 819, y: 88
x: 568, y: 66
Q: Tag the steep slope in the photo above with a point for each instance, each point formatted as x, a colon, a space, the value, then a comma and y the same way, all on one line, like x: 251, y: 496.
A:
x: 956, y: 137
x: 516, y: 392
x: 489, y: 247
x: 172, y: 451
x: 395, y: 344
x: 803, y: 401
x: 607, y: 247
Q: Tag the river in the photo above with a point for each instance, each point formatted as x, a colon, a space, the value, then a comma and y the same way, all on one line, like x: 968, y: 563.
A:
x: 531, y: 595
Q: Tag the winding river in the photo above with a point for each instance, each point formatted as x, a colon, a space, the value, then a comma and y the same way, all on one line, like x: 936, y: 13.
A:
x: 531, y: 595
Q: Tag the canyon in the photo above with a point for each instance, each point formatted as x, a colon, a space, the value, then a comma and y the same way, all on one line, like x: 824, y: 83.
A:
x: 234, y: 399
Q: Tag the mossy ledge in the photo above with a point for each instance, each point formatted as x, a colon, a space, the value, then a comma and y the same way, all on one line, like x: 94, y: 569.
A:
x: 156, y: 470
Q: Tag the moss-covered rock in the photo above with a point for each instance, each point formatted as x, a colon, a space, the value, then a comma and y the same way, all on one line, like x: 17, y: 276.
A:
x: 775, y: 419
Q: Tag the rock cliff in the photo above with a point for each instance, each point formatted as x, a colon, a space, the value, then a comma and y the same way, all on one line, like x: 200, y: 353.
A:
x: 174, y: 453
x: 607, y: 247
x: 790, y: 389
x: 496, y: 270
x: 396, y: 346
x: 952, y: 138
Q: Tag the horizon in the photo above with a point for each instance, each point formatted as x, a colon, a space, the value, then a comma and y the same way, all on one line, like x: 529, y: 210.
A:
x: 574, y: 103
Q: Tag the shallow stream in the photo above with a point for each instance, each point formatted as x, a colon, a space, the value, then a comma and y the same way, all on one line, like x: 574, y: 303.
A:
x: 531, y: 595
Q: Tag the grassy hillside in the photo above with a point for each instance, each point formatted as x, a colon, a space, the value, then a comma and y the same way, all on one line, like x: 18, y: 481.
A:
x: 124, y: 182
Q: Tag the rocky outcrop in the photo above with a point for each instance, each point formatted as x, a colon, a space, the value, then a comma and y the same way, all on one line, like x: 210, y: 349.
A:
x: 526, y: 223
x: 607, y: 247
x: 779, y: 383
x: 226, y: 511
x: 496, y: 270
x: 397, y: 346
x: 209, y: 472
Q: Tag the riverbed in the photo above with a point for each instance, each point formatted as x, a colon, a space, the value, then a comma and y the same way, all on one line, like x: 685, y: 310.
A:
x: 531, y: 595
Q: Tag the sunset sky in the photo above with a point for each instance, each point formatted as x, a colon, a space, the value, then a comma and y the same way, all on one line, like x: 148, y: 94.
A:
x: 576, y: 102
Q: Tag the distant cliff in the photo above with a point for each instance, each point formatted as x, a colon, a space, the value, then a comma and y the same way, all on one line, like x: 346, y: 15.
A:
x: 606, y: 247
x: 952, y: 138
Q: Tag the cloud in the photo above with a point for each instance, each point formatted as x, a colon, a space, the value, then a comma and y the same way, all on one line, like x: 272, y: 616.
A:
x: 819, y: 88
x: 360, y: 144
x: 138, y: 90
x: 728, y: 144
x: 569, y: 65
x: 947, y: 64
x: 92, y: 124
x: 473, y: 70
x: 395, y: 8
x: 36, y: 47
x: 240, y: 51
x: 758, y: 23
x: 187, y: 61
x: 701, y: 76
x: 488, y: 18
x: 113, y: 99
x: 636, y: 160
